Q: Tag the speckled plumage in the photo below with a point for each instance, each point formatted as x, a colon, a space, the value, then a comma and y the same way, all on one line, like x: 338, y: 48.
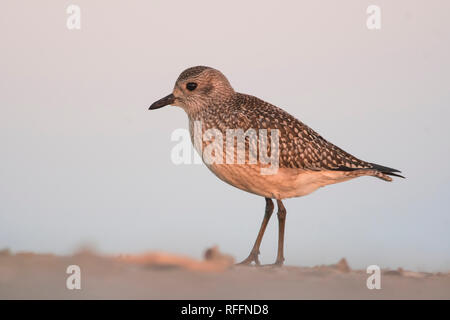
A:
x: 217, y: 106
x: 300, y: 146
x: 306, y: 160
x: 191, y: 73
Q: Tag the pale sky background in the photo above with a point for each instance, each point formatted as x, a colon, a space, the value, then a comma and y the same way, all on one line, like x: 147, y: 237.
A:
x: 83, y: 160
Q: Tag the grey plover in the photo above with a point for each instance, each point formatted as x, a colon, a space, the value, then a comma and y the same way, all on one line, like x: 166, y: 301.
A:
x: 306, y: 160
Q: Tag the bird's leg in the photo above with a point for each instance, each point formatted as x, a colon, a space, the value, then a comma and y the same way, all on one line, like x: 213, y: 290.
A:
x: 253, y: 256
x: 281, y: 222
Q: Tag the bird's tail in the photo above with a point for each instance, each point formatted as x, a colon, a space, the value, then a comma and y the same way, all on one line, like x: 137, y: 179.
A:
x: 375, y: 170
x: 385, y: 172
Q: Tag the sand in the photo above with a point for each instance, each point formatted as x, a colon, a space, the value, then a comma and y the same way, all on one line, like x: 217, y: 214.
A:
x: 158, y: 275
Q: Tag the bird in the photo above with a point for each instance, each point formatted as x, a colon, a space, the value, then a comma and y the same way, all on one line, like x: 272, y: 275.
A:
x: 305, y: 160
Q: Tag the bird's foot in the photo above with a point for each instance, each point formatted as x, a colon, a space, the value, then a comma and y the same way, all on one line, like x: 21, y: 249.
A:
x: 252, y: 257
x: 276, y: 264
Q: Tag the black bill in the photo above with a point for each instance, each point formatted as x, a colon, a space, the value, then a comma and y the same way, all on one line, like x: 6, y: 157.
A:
x: 163, y: 102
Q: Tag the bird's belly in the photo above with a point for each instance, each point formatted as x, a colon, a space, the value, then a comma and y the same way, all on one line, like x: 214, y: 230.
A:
x: 286, y: 183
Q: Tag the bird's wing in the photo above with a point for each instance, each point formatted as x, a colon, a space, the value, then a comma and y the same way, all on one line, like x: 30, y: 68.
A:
x: 299, y: 145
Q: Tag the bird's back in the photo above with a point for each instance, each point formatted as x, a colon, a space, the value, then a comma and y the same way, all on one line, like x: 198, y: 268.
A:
x: 299, y: 146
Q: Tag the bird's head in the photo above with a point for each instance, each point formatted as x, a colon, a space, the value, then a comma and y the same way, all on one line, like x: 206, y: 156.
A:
x: 196, y: 88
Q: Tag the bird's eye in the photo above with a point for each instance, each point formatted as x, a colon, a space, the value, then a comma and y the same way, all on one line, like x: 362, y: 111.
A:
x: 191, y: 86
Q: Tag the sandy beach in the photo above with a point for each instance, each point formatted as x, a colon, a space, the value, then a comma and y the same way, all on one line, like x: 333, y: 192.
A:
x: 158, y: 275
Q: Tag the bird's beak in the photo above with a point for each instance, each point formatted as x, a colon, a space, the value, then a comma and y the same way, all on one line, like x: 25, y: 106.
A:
x: 163, y: 102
